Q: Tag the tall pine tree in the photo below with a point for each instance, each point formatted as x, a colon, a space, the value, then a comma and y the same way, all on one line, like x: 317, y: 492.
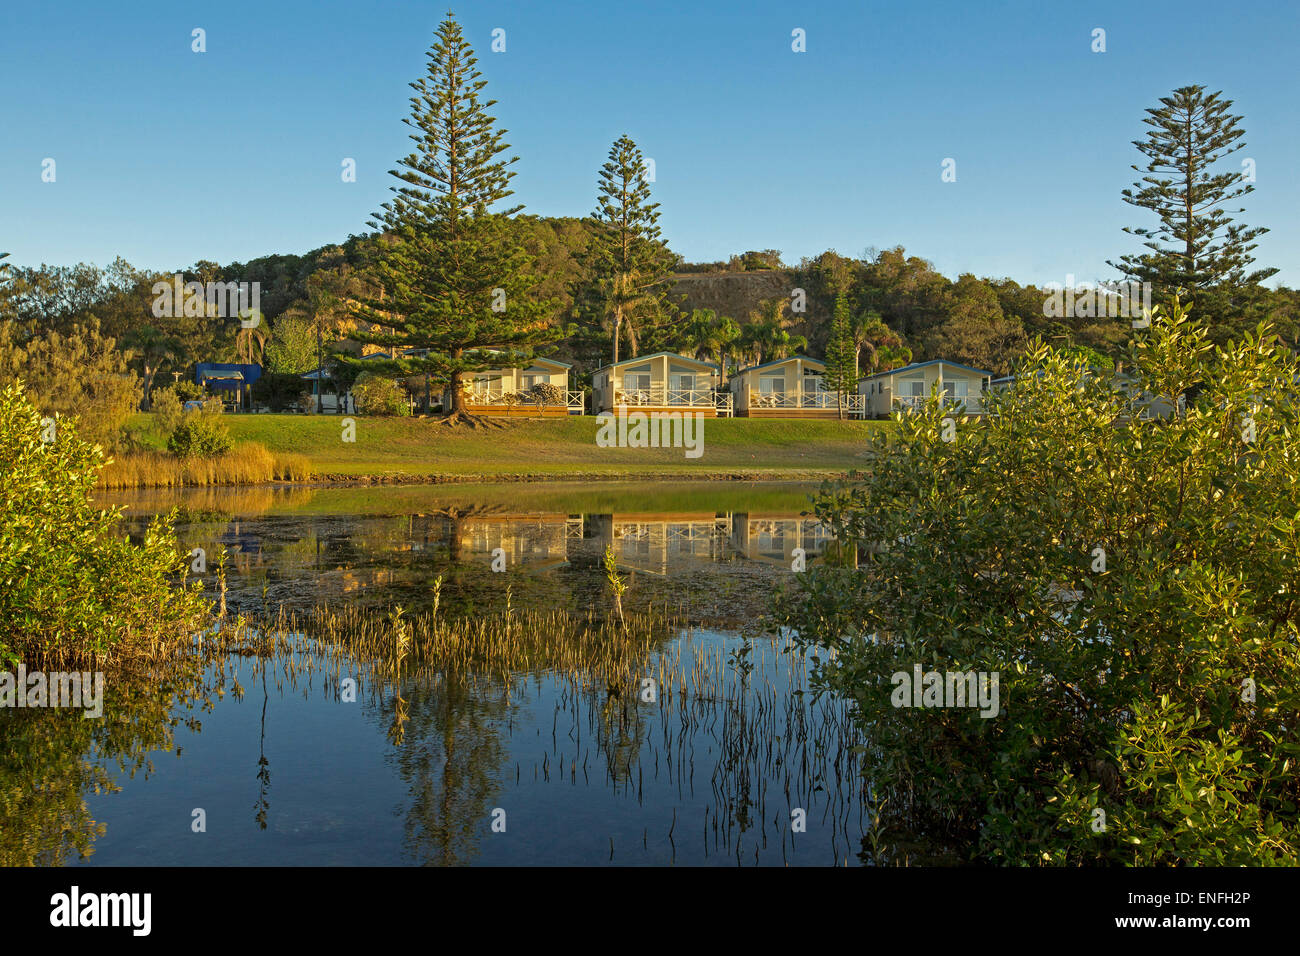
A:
x: 841, y: 354
x: 1196, y: 247
x: 632, y: 264
x: 453, y: 276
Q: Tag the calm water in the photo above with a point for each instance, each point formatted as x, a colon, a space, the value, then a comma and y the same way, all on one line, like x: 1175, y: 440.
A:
x: 285, y: 771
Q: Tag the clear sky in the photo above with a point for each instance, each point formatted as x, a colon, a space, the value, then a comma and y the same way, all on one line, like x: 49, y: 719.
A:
x: 165, y: 156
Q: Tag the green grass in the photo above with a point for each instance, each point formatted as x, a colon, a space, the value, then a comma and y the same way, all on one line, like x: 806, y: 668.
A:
x: 546, y: 448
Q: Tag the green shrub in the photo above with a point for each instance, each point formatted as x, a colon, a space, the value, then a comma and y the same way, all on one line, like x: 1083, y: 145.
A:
x: 376, y: 395
x: 200, y: 434
x: 73, y: 588
x: 1131, y: 578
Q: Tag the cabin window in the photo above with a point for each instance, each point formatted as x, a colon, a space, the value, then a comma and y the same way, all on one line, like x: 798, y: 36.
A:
x: 637, y: 380
x: 767, y: 384
x: 684, y: 381
x: 915, y: 388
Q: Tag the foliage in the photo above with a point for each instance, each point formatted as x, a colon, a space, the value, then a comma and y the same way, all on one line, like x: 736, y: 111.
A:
x: 756, y: 260
x: 766, y: 336
x: 1155, y: 680
x: 1196, y: 247
x: 975, y: 331
x: 188, y: 391
x: 75, y: 375
x: 152, y: 348
x: 201, y: 434
x: 279, y: 390
x: 454, y: 278
x: 632, y: 264
x: 377, y: 395
x: 292, y: 348
x: 73, y: 587
x: 886, y: 346
x: 167, y: 409
x: 841, y: 374
x: 708, y: 335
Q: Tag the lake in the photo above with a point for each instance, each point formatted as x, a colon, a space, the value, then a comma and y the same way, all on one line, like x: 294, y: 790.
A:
x: 714, y: 753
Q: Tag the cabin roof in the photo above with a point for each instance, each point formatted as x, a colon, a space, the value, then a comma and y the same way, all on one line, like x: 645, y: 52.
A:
x: 804, y: 358
x: 915, y: 365
x: 653, y: 355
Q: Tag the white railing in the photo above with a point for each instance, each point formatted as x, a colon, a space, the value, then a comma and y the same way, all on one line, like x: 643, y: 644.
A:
x: 971, y: 406
x: 853, y: 404
x: 487, y: 395
x: 667, y: 397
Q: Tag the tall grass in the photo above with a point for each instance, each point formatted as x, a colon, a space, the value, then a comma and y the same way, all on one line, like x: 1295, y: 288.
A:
x: 246, y: 464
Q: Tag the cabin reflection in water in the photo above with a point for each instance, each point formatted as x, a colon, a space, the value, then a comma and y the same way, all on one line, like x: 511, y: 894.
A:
x: 773, y: 539
x: 659, y: 543
x: 535, y: 542
x: 656, y: 543
x: 364, y: 552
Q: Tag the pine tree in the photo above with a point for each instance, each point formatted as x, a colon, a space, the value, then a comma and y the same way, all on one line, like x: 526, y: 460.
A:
x: 453, y: 276
x: 841, y: 355
x: 632, y: 264
x: 1197, y: 247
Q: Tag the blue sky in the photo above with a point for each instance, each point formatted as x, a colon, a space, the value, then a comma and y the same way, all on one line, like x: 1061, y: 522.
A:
x: 165, y: 156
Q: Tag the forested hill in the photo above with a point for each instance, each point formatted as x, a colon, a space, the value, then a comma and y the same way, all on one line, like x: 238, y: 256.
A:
x: 984, y: 322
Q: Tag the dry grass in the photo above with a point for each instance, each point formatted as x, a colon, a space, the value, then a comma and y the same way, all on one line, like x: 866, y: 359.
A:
x: 248, y: 463
x: 292, y: 467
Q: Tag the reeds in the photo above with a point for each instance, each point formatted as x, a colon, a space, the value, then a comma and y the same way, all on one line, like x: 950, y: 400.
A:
x: 247, y: 463
x: 401, y: 645
x: 766, y: 745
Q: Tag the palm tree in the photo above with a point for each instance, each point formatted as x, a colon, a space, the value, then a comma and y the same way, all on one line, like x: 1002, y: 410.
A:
x: 766, y: 337
x: 709, y: 335
x: 628, y: 299
x: 250, y: 342
x: 869, y: 331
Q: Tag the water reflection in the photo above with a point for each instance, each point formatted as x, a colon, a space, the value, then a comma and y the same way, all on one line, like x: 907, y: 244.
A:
x: 549, y: 559
x: 708, y: 769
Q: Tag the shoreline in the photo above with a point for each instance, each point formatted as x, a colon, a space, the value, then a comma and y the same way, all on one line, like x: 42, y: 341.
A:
x: 362, y: 481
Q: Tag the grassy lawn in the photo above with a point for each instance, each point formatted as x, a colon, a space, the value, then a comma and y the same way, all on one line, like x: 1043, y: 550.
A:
x: 553, y: 447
